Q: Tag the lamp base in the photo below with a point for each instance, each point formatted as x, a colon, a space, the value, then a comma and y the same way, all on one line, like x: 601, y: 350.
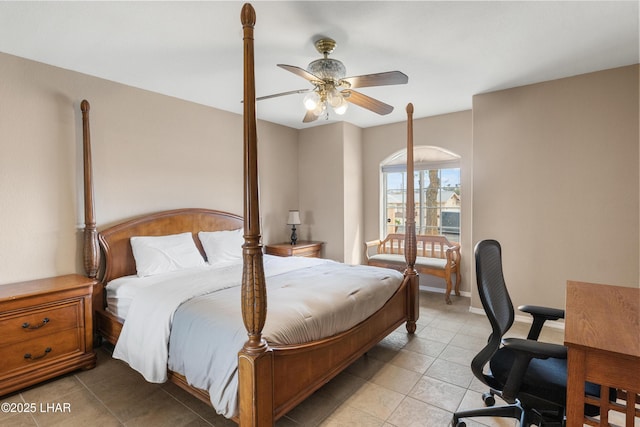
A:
x: 294, y: 236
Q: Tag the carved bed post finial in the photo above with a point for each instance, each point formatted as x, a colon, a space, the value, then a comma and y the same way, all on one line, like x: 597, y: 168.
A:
x: 91, y: 249
x: 248, y: 17
x: 255, y: 371
x: 410, y: 229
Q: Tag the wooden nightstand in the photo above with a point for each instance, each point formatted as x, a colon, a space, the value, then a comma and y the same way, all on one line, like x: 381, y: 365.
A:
x: 301, y: 248
x: 46, y: 330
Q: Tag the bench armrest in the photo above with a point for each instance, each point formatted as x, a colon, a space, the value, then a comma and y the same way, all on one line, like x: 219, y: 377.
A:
x: 453, y: 254
x: 370, y: 244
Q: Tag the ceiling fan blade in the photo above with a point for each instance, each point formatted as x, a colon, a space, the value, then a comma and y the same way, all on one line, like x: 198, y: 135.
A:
x: 378, y: 79
x: 291, y: 92
x: 309, y: 117
x: 367, y: 102
x: 301, y: 72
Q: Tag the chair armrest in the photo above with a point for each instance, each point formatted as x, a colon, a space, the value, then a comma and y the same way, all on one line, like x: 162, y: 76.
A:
x: 536, y: 349
x: 548, y: 312
x: 368, y: 245
x: 524, y: 351
x: 540, y: 315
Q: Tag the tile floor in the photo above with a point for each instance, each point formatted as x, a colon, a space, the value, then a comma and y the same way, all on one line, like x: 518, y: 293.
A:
x: 404, y: 381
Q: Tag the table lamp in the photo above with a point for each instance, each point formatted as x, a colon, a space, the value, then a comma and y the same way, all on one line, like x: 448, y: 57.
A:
x: 293, y: 220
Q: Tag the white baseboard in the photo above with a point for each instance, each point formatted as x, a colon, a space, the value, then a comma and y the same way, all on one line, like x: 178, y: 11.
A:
x: 518, y: 318
x: 442, y: 291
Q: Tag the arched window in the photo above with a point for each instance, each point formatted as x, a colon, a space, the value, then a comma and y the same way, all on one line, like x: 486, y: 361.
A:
x: 437, y: 192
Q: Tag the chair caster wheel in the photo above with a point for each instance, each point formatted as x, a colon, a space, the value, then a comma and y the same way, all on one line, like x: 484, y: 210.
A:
x: 455, y: 422
x: 488, y: 399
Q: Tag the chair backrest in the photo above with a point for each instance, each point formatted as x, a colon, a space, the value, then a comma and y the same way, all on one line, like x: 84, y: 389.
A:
x: 495, y: 300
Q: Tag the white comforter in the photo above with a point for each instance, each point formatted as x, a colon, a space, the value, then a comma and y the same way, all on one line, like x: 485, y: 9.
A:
x: 191, y: 322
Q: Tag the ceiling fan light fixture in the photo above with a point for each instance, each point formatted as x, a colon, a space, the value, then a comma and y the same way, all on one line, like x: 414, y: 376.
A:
x: 333, y: 91
x: 320, y: 109
x: 311, y: 101
x: 342, y: 107
x: 334, y: 97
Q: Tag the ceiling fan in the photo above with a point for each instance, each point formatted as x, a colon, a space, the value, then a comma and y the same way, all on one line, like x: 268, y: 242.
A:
x: 332, y: 89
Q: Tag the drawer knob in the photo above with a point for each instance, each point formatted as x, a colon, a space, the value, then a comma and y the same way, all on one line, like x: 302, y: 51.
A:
x: 28, y: 356
x: 27, y: 325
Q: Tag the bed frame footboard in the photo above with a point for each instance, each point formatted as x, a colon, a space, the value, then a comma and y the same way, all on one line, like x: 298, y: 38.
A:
x: 299, y: 370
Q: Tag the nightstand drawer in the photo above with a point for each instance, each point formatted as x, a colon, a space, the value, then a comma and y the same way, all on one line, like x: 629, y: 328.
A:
x: 29, y: 353
x: 32, y: 324
x: 307, y: 251
x: 302, y: 248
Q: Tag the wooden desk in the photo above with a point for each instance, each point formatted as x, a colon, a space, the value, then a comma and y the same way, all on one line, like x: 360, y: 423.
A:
x: 602, y: 333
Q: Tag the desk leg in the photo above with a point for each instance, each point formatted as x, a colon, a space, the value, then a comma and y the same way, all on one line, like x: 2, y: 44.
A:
x: 576, y: 375
x: 631, y: 408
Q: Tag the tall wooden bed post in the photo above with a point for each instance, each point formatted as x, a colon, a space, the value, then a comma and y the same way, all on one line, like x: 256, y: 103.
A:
x: 410, y: 250
x: 254, y: 360
x: 91, y: 249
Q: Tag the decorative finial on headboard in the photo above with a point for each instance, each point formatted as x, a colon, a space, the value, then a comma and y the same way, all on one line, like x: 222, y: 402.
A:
x: 91, y: 249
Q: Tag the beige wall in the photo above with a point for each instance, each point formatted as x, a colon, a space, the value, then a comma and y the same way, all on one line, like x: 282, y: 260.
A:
x: 150, y: 152
x: 331, y: 189
x: 353, y: 195
x: 449, y: 131
x: 555, y: 180
x: 550, y: 170
x: 321, y: 185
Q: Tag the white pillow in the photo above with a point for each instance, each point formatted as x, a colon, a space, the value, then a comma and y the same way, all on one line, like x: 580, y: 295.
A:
x: 222, y: 246
x: 163, y: 254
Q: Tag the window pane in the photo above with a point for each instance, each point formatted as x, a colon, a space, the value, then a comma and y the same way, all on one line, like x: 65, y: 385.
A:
x: 437, y: 201
x: 450, y: 208
x: 395, y: 201
x: 450, y: 177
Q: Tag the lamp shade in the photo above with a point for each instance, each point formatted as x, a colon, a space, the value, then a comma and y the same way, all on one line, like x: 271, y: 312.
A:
x: 294, y: 218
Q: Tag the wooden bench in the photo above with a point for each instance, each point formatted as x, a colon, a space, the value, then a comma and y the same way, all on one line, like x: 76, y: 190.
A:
x: 436, y: 256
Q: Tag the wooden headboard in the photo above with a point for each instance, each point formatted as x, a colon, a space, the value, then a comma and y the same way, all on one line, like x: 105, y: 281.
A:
x: 117, y: 247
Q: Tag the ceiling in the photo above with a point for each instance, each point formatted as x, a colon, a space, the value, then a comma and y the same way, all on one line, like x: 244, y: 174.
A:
x: 450, y: 50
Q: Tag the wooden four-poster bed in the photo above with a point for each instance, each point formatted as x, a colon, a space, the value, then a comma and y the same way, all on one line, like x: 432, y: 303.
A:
x: 272, y: 378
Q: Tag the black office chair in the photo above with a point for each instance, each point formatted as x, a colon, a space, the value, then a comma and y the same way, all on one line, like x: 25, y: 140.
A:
x: 530, y: 376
